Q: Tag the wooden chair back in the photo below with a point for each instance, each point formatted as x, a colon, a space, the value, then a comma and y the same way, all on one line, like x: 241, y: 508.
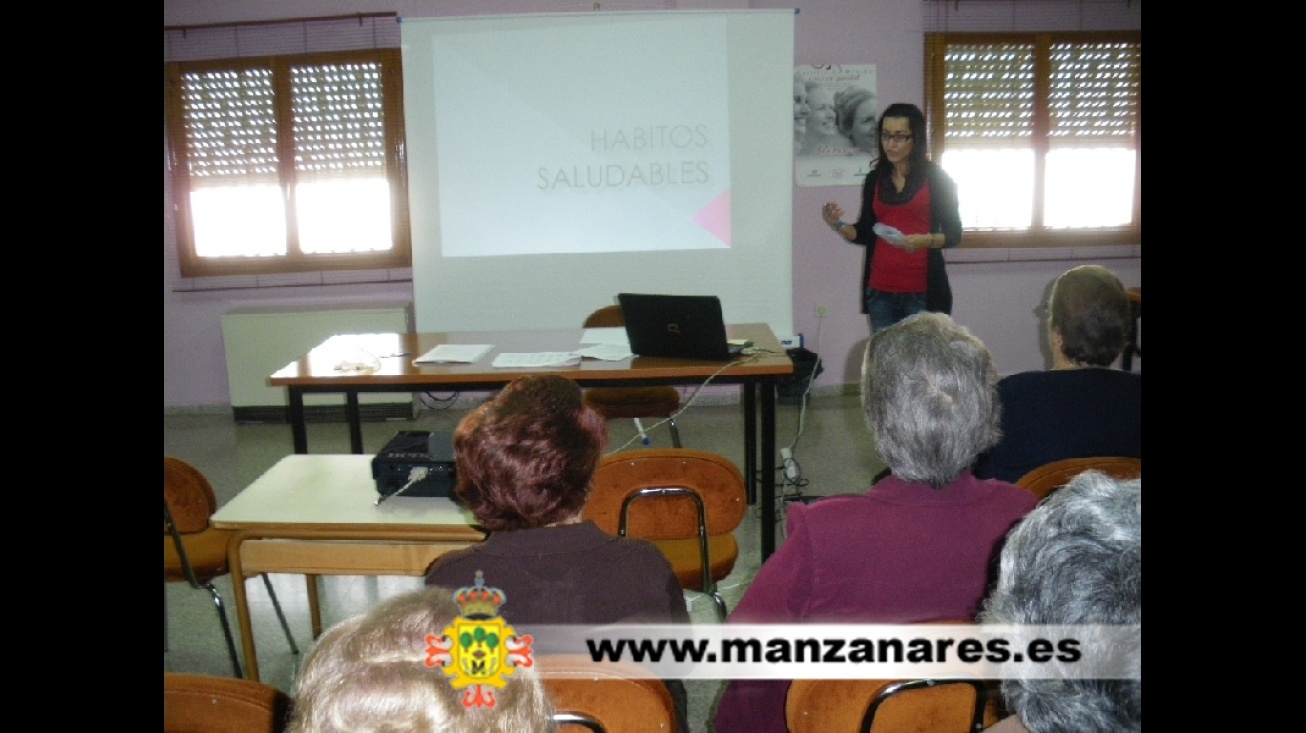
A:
x: 1046, y: 479
x: 189, y: 500
x: 716, y: 480
x: 606, y: 317
x: 890, y: 706
x: 687, y: 502
x: 198, y: 703
x: 189, y: 496
x: 619, y: 697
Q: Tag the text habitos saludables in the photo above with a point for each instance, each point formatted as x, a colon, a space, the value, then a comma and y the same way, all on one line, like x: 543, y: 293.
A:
x: 672, y: 166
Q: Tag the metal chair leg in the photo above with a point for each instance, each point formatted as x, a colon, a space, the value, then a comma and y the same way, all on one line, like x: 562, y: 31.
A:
x: 226, y: 628
x: 280, y: 616
x: 675, y: 432
x: 720, y: 602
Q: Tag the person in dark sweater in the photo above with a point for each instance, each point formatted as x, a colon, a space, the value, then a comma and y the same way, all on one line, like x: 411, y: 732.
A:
x: 1081, y: 407
x: 524, y: 464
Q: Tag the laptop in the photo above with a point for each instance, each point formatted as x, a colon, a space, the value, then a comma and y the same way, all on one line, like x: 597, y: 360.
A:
x: 676, y: 326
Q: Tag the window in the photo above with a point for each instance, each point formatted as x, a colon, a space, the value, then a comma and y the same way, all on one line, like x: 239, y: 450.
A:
x: 1043, y: 134
x: 289, y: 163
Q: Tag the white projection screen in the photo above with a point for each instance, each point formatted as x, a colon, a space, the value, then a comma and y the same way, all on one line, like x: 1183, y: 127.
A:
x: 557, y: 160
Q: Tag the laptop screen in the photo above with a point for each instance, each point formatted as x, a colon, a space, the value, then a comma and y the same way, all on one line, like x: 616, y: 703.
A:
x: 675, y: 326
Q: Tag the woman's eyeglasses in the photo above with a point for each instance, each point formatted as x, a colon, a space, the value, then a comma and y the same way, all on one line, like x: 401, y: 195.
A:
x: 897, y: 137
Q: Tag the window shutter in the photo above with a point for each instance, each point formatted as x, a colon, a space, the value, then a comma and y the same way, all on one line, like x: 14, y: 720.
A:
x: 989, y: 92
x: 1094, y: 95
x: 230, y: 125
x: 338, y: 114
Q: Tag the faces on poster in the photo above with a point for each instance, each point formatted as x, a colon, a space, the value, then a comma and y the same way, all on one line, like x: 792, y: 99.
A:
x: 863, y: 125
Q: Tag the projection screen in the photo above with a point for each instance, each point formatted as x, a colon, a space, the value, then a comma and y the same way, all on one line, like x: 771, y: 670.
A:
x: 557, y: 160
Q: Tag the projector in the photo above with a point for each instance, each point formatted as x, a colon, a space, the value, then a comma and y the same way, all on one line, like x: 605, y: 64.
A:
x: 416, y: 453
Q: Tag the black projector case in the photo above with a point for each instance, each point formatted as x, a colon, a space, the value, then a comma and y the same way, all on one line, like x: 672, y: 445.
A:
x: 411, y: 449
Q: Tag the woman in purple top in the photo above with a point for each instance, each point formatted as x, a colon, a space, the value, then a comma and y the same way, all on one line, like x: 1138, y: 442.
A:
x: 918, y: 546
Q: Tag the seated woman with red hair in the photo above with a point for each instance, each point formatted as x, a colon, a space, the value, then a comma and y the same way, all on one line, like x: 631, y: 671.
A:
x: 525, y: 461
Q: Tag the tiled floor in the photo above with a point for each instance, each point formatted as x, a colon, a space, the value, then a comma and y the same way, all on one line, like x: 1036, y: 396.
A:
x: 829, y: 441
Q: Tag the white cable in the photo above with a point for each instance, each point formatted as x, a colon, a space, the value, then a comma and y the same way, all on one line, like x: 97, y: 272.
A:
x: 417, y: 473
x: 690, y: 401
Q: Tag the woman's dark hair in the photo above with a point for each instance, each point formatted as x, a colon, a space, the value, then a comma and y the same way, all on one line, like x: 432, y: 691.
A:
x: 1090, y: 311
x: 920, y: 151
x: 525, y: 458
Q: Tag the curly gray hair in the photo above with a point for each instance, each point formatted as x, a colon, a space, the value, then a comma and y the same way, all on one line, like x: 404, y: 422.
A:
x: 1075, y: 560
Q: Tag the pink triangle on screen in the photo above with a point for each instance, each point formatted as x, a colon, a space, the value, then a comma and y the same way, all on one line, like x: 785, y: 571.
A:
x: 715, y: 217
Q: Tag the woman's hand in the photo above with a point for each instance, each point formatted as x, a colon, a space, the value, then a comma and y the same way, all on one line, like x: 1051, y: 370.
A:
x: 921, y: 241
x: 832, y: 213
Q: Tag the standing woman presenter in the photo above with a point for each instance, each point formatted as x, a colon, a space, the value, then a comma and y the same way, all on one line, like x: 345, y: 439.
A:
x: 913, y: 204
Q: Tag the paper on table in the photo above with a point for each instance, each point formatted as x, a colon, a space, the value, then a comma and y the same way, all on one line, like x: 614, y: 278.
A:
x: 538, y: 359
x: 607, y: 352
x: 605, y: 335
x: 454, y: 353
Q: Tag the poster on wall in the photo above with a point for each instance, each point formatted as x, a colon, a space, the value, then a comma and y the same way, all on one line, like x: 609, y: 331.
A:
x: 835, y: 114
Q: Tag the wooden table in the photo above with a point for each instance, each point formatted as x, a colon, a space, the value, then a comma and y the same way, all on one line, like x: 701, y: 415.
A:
x: 316, y: 515
x: 316, y: 372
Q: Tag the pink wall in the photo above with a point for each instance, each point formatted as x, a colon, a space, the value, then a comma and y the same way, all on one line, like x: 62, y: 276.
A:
x: 995, y: 290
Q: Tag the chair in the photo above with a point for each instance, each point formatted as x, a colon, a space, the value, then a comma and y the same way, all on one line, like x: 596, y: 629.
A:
x: 631, y: 402
x: 687, y: 502
x: 200, y: 703
x: 1046, y: 479
x: 891, y: 706
x: 605, y: 697
x: 196, y: 553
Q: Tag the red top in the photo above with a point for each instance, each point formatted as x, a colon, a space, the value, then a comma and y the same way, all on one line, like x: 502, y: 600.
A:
x: 896, y: 270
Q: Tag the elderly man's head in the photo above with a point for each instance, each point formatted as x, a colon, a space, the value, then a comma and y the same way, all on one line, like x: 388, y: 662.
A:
x: 1089, y: 316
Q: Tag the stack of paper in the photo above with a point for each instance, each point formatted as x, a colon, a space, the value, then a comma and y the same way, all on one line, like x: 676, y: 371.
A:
x: 454, y: 354
x: 537, y: 359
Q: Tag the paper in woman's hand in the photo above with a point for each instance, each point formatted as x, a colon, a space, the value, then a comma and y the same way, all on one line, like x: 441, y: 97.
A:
x: 890, y: 234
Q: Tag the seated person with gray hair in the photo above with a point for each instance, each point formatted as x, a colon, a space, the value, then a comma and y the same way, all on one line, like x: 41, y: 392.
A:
x: 1081, y: 407
x: 1075, y: 560
x: 916, y: 547
x: 369, y: 673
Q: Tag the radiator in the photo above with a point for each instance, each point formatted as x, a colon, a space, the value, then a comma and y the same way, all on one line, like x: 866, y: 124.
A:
x: 259, y: 341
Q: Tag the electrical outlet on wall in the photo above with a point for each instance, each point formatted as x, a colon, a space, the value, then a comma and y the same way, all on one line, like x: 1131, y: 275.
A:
x: 822, y: 311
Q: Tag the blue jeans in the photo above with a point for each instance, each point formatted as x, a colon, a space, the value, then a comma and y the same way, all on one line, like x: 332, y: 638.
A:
x: 885, y: 309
